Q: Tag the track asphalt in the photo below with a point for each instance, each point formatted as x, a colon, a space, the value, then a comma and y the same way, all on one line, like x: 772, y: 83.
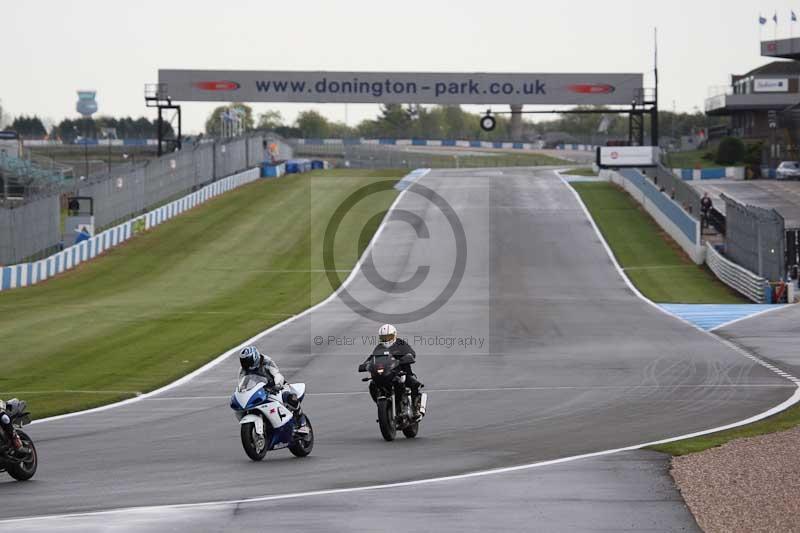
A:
x: 542, y: 352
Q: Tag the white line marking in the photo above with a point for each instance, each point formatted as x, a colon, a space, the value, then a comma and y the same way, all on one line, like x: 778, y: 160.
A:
x: 156, y: 508
x: 632, y: 388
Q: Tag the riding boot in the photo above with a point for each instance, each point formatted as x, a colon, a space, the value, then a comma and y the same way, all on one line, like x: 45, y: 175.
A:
x: 19, y: 448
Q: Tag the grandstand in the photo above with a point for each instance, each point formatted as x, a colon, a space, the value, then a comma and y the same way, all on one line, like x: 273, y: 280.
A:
x: 21, y: 178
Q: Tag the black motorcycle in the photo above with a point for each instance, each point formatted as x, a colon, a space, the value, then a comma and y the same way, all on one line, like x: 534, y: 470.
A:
x: 21, y: 467
x: 393, y: 397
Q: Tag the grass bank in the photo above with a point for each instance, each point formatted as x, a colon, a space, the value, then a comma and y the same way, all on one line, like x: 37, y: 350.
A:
x: 650, y: 258
x: 581, y: 171
x: 168, y: 301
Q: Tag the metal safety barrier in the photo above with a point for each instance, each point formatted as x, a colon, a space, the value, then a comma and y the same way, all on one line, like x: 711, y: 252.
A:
x: 738, y: 278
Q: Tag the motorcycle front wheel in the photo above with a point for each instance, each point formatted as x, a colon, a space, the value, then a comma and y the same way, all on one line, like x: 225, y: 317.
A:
x: 411, y: 430
x: 255, y: 445
x: 25, y: 469
x: 386, y: 419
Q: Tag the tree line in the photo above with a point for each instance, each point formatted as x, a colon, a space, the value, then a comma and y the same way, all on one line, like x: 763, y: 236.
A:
x: 452, y: 122
x: 32, y: 127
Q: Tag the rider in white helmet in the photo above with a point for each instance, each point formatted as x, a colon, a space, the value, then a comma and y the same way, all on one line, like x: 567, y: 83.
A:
x: 390, y: 344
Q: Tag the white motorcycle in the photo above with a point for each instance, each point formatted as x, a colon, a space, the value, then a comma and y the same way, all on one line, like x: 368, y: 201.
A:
x: 265, y: 421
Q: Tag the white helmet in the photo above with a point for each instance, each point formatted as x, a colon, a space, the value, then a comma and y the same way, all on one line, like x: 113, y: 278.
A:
x: 387, y: 334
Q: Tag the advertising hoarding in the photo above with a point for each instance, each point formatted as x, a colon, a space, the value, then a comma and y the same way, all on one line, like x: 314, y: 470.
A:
x: 771, y: 85
x: 627, y: 156
x: 401, y: 87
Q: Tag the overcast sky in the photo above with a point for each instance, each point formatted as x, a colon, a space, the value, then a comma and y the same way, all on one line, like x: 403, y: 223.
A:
x: 52, y: 48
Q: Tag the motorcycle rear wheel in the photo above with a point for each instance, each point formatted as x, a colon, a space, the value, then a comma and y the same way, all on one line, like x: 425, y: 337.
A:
x: 302, y: 447
x: 25, y: 470
x: 250, y: 442
x: 386, y: 420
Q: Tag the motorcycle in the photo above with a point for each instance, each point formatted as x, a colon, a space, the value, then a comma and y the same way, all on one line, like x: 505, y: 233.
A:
x: 266, y: 423
x: 393, y: 397
x: 20, y: 467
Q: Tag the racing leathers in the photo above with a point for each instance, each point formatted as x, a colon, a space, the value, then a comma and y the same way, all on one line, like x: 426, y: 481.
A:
x: 397, y: 350
x: 275, y: 380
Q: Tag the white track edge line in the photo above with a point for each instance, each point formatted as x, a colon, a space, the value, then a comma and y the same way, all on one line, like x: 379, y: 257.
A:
x: 481, y: 473
x: 214, y: 362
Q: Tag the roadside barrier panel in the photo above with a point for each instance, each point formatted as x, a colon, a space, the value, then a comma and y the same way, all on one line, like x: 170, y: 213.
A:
x: 679, y: 224
x: 737, y: 277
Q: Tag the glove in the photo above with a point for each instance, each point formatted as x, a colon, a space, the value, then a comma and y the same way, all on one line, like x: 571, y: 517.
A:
x: 279, y: 381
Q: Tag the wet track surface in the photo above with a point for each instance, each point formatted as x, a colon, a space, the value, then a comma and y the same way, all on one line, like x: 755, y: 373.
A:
x: 542, y: 352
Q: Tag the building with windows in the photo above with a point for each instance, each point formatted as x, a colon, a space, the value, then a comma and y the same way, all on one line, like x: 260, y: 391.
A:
x: 750, y: 98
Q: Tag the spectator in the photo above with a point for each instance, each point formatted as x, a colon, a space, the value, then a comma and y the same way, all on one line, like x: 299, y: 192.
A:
x: 705, y: 207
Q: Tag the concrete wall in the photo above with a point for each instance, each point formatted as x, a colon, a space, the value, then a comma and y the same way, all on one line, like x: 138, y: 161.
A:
x: 681, y: 226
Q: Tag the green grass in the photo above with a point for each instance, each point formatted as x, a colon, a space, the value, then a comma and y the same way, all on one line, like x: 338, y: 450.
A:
x: 168, y: 301
x: 694, y: 159
x: 782, y: 421
x: 650, y: 258
x: 581, y: 171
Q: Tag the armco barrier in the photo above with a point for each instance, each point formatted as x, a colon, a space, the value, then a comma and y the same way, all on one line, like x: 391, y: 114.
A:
x: 681, y: 226
x: 739, y: 278
x: 26, y: 274
x: 693, y: 174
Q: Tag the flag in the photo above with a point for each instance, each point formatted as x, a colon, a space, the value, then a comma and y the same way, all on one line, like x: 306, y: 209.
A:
x: 775, y: 17
x: 762, y: 20
x: 794, y: 16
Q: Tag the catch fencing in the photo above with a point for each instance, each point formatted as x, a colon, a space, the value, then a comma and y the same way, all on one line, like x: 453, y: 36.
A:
x: 755, y: 239
x: 29, y: 229
x: 122, y: 195
x: 678, y: 190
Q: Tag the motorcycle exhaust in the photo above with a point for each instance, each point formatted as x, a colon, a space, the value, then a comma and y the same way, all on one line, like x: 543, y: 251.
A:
x: 422, y: 403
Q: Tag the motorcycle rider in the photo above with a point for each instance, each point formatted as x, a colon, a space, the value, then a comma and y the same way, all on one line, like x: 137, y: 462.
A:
x: 10, y: 433
x: 389, y: 344
x: 254, y: 362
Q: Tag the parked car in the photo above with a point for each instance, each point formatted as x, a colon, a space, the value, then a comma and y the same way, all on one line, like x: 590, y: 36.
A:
x: 788, y: 170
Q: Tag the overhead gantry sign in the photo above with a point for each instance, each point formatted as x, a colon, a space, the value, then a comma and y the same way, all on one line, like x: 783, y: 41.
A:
x: 400, y: 87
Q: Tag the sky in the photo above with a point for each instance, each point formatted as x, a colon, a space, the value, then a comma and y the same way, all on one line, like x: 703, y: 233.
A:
x: 53, y: 48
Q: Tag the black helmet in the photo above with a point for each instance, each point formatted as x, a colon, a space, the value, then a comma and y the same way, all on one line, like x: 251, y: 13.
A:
x: 250, y: 358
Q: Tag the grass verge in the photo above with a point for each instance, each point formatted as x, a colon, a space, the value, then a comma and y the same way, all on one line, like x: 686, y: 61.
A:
x: 581, y: 171
x: 650, y: 258
x: 170, y: 300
